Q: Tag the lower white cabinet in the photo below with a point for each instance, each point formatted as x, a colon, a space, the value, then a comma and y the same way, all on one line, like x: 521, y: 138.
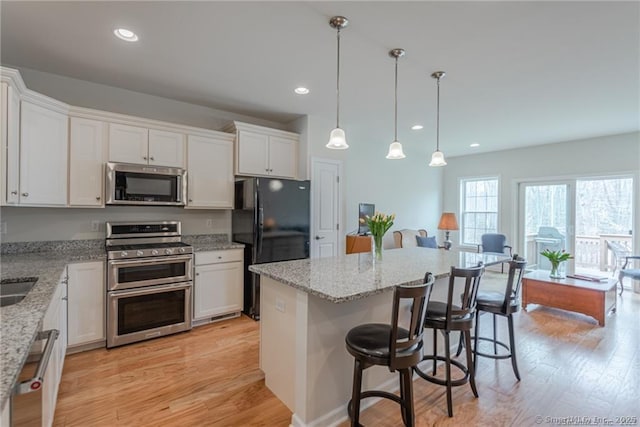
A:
x: 55, y: 318
x: 86, y: 304
x: 218, y: 284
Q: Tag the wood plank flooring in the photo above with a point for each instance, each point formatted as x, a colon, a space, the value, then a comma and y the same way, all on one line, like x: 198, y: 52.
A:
x: 569, y: 365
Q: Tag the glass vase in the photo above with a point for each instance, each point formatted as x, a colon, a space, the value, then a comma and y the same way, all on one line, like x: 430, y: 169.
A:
x: 558, y: 271
x: 376, y: 247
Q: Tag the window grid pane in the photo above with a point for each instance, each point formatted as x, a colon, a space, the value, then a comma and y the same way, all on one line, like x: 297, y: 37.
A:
x: 479, y: 210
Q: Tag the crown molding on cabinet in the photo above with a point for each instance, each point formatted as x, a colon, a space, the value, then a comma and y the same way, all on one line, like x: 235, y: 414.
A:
x: 240, y: 126
x: 14, y: 79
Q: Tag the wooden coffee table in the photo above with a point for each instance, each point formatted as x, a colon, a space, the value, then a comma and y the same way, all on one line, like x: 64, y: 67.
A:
x: 594, y: 299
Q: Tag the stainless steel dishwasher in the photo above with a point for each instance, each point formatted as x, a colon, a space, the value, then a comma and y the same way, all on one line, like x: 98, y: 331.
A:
x: 27, y: 398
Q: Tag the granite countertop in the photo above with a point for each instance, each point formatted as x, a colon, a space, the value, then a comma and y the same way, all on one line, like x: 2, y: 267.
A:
x: 210, y: 242
x: 20, y: 322
x: 355, y: 276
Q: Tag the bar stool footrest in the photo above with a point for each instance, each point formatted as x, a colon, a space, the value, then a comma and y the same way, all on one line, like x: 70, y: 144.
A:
x: 436, y: 380
x: 493, y: 356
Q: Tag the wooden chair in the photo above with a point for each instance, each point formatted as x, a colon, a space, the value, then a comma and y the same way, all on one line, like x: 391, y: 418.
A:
x: 390, y: 345
x: 446, y: 317
x: 407, y: 238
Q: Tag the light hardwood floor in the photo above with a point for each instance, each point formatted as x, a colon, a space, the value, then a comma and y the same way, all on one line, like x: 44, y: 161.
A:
x: 569, y: 365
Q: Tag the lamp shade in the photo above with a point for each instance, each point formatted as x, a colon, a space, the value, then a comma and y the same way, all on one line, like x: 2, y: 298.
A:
x: 448, y: 221
x: 337, y: 140
x: 395, y: 151
x: 437, y: 159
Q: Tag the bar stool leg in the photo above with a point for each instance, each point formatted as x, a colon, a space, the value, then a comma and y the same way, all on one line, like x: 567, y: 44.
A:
x: 512, y: 347
x: 406, y: 384
x: 354, y: 408
x: 495, y: 335
x: 470, y: 362
x: 435, y: 349
x: 447, y: 352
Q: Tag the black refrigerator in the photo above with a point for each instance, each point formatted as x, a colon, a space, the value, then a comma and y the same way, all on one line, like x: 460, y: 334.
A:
x: 271, y: 217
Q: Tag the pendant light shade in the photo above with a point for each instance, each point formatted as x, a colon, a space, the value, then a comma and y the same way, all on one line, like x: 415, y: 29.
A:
x: 337, y: 138
x: 395, y: 148
x: 437, y: 158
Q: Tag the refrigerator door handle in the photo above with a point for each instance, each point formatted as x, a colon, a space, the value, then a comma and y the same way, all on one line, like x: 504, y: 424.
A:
x: 260, y: 225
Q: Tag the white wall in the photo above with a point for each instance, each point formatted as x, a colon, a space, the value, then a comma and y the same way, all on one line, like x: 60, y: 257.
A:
x: 602, y: 156
x: 37, y: 224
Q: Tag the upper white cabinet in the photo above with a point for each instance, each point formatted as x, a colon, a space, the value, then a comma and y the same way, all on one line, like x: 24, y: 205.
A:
x: 210, y: 172
x: 43, y: 156
x: 262, y: 151
x: 87, y: 154
x: 10, y: 137
x: 132, y: 144
x: 86, y: 290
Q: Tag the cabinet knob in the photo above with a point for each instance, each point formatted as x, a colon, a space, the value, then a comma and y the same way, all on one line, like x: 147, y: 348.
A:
x: 25, y: 194
x: 151, y: 158
x: 145, y: 157
x: 190, y: 200
x: 97, y: 197
x: 267, y: 170
x: 14, y: 193
x: 197, y: 274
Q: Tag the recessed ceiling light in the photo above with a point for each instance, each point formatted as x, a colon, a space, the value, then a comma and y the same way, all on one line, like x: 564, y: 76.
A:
x: 474, y: 145
x: 126, y: 35
x: 301, y: 90
x: 416, y: 127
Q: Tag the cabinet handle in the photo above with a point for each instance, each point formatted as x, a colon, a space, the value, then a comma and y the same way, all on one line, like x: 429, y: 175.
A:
x: 151, y: 158
x: 145, y: 157
x: 197, y: 274
x: 65, y: 299
x: 25, y: 194
x: 97, y: 197
x: 14, y: 193
x: 190, y: 200
x: 267, y: 170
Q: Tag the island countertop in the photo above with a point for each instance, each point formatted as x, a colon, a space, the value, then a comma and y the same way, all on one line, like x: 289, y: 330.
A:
x: 355, y: 276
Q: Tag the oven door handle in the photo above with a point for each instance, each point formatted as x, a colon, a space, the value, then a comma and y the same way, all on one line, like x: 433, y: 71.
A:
x: 150, y: 290
x: 35, y: 383
x: 173, y: 259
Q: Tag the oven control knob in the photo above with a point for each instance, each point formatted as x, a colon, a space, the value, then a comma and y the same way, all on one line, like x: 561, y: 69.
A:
x: 182, y: 250
x: 154, y: 252
x: 168, y: 251
x: 124, y: 254
x: 139, y: 253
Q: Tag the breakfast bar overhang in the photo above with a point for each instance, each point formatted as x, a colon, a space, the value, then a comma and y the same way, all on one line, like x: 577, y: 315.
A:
x: 308, y: 306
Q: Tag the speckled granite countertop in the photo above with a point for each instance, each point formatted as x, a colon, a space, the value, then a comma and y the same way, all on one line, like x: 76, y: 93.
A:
x: 350, y: 277
x: 210, y: 242
x: 20, y: 322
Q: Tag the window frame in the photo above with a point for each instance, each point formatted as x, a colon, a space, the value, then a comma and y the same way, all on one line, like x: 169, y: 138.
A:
x: 463, y: 208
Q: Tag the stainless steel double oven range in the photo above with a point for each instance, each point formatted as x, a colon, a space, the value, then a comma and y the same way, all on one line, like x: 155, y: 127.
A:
x: 149, y: 281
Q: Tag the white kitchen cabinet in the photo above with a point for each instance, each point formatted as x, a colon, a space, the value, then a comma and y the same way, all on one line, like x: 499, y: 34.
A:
x: 210, y: 172
x: 133, y: 144
x: 218, y: 284
x: 55, y: 318
x: 86, y: 317
x: 87, y: 154
x: 43, y: 156
x: 262, y: 151
x: 9, y: 156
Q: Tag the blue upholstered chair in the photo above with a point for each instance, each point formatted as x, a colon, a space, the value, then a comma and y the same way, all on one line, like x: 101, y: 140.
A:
x: 495, y: 243
x: 633, y: 273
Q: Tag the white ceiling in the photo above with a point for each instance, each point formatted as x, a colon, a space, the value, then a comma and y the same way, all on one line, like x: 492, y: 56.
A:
x: 518, y: 73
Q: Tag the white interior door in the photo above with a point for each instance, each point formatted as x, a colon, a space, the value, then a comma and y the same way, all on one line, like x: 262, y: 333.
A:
x: 325, y: 207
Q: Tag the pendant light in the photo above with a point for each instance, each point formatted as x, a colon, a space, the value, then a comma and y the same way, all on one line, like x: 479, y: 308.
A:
x: 437, y: 158
x: 395, y: 148
x: 337, y: 139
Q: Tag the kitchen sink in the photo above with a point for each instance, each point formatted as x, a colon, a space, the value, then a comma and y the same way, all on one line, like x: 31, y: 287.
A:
x: 12, y: 291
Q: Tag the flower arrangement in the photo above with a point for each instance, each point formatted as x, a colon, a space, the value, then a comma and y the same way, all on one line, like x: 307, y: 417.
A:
x: 379, y: 224
x: 556, y: 257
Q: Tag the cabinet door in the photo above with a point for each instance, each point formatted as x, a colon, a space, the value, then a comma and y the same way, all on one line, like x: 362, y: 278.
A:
x: 86, y: 303
x: 210, y: 173
x: 252, y: 153
x: 166, y: 148
x: 43, y: 156
x: 218, y: 289
x: 283, y: 157
x: 128, y: 144
x: 87, y: 153
x: 13, y: 146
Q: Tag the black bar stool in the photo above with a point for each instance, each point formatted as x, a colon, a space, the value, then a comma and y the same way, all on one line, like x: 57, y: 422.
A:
x: 501, y: 304
x: 393, y: 346
x: 447, y: 317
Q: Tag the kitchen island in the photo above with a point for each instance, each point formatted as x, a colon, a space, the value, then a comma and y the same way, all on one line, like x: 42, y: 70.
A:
x: 308, y: 306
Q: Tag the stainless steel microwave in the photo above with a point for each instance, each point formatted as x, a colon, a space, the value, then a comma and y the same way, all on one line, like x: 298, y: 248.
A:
x: 130, y: 184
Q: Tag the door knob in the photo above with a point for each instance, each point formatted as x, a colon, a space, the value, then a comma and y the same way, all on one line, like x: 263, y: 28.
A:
x: 318, y: 237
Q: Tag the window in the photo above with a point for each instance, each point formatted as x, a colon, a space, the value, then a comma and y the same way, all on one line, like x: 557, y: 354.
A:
x: 479, y: 205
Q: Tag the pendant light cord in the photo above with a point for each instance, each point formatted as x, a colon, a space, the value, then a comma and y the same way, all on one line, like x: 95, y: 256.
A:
x: 338, y: 85
x: 438, y: 118
x: 395, y: 131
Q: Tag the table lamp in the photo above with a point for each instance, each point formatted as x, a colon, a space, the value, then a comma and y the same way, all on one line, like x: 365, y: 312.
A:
x: 448, y: 222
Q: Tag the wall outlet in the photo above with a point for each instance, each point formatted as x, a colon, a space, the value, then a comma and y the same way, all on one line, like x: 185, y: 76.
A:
x: 209, y: 223
x: 95, y: 225
x: 3, y: 227
x: 280, y: 305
